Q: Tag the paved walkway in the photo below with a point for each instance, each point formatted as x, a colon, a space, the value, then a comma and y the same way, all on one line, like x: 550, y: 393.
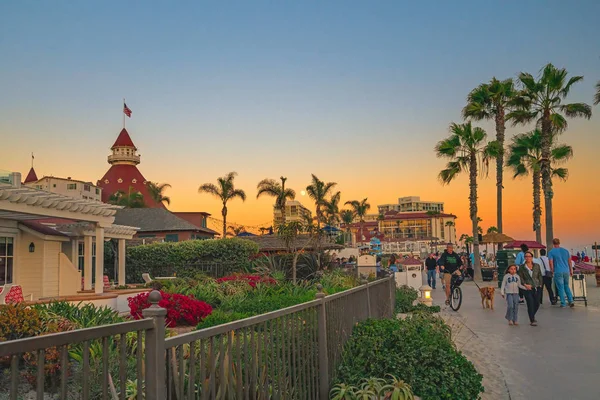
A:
x: 560, y: 358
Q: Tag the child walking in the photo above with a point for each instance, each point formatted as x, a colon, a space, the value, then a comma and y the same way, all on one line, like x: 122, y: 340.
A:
x: 510, y: 288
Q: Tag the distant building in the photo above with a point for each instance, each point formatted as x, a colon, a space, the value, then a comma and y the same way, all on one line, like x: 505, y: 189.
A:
x: 294, y: 211
x: 124, y: 175
x: 65, y: 186
x: 412, y: 204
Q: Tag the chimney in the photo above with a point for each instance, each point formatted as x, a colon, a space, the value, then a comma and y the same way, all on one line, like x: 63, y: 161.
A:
x: 15, y: 178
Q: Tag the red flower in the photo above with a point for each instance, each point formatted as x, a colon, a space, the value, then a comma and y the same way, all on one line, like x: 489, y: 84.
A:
x: 251, y: 279
x: 181, y: 309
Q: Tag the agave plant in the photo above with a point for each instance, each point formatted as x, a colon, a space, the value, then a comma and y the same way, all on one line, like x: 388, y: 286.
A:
x: 397, y: 390
x: 341, y: 391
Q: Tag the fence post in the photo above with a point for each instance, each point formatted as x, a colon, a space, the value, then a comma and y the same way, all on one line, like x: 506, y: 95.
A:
x: 393, y: 295
x: 155, y: 350
x: 366, y: 283
x: 322, y: 333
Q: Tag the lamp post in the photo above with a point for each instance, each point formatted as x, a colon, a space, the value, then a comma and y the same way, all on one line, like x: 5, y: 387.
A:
x: 426, y: 295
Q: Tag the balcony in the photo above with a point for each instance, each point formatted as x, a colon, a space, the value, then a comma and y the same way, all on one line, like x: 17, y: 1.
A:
x: 134, y: 159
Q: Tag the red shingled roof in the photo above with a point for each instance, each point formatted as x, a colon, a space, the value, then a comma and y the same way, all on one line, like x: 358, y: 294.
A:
x: 122, y: 177
x: 123, y: 140
x: 31, y: 176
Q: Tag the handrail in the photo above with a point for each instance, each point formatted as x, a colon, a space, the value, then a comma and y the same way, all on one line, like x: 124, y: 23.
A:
x: 27, y: 345
x: 356, y: 289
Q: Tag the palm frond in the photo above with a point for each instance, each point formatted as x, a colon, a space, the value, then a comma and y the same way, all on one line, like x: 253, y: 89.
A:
x: 448, y: 174
x: 597, y: 95
x: 209, y: 188
x: 561, y: 153
x: 561, y: 173
x: 237, y: 193
x: 577, y: 110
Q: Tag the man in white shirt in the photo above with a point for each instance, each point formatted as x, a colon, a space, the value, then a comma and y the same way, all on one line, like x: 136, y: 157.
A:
x: 544, y: 263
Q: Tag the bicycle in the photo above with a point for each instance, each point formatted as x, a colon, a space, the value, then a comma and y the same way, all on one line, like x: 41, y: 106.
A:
x: 456, y: 291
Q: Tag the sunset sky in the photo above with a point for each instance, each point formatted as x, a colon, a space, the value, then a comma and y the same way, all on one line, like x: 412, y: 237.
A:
x: 354, y: 92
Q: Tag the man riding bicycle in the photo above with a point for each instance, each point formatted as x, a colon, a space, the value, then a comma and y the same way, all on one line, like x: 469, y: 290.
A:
x: 450, y: 263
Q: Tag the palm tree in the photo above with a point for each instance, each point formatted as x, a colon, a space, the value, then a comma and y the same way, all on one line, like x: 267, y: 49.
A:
x: 318, y: 191
x: 492, y: 100
x: 541, y: 100
x: 525, y: 157
x: 133, y: 199
x: 278, y: 190
x: 450, y: 224
x: 492, y: 229
x: 225, y: 190
x: 435, y: 216
x: 467, y: 151
x: 156, y: 192
x: 597, y: 95
x: 347, y: 218
x: 359, y: 209
x: 235, y: 230
x: 332, y: 210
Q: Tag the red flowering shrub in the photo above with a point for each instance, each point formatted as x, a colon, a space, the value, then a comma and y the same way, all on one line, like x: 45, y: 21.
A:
x: 181, y: 309
x: 251, y: 279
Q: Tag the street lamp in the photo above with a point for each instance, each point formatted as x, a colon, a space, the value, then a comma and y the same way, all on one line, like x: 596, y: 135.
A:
x: 426, y: 295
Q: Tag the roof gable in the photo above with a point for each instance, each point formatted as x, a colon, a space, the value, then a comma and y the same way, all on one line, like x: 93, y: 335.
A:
x: 31, y: 176
x: 155, y: 220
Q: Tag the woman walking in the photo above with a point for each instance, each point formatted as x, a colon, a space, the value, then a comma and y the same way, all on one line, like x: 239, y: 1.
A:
x: 531, y: 277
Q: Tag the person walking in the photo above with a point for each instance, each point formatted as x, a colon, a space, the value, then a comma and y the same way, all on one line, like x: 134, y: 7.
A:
x: 450, y: 263
x: 531, y: 277
x: 510, y: 290
x: 431, y: 265
x: 520, y: 260
x: 560, y: 266
x: 546, y: 277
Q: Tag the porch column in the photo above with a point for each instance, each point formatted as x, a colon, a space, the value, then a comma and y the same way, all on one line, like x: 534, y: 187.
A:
x: 74, y: 252
x: 121, y: 255
x: 99, y: 282
x: 87, y: 262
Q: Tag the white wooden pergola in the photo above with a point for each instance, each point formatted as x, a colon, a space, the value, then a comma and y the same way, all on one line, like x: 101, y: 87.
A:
x: 20, y: 203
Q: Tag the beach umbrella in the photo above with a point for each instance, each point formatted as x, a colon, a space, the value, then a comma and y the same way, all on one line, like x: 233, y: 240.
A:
x: 495, y: 237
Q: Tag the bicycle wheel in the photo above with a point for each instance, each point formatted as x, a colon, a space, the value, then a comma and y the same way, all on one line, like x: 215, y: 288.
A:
x: 456, y: 298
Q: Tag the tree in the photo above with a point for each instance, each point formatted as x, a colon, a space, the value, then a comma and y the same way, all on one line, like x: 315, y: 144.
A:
x: 525, y: 157
x: 332, y: 210
x: 133, y: 199
x: 467, y: 152
x: 492, y: 229
x: 492, y: 100
x: 347, y: 218
x: 597, y: 95
x: 450, y: 224
x: 156, y: 191
x: 270, y: 187
x: 541, y: 101
x: 224, y: 190
x: 289, y: 233
x: 435, y: 215
x: 359, y: 209
x: 318, y: 191
x: 235, y: 230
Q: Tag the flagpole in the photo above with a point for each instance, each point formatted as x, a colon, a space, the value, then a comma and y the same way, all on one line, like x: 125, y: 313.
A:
x: 123, y: 112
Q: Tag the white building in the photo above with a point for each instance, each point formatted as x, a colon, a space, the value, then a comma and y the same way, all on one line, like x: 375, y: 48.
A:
x: 294, y: 211
x: 65, y: 186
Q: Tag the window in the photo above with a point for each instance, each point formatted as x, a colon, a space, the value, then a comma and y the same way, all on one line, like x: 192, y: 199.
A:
x: 146, y: 236
x: 6, y: 260
x: 86, y: 188
x: 204, y: 222
x: 172, y: 237
x: 71, y: 186
x: 97, y: 191
x: 54, y: 185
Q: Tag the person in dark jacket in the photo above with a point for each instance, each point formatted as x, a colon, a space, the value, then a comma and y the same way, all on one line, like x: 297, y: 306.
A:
x: 450, y: 263
x: 531, y: 277
x: 431, y: 265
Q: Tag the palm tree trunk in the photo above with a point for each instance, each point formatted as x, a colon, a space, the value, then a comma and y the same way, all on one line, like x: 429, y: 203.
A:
x: 294, y: 263
x: 537, y: 210
x: 282, y: 203
x: 224, y: 214
x: 500, y: 129
x: 473, y: 212
x: 546, y: 176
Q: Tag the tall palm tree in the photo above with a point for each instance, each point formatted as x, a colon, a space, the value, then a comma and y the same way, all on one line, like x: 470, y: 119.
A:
x: 525, y: 157
x: 156, y: 191
x: 225, y: 190
x: 450, y: 224
x: 597, y: 95
x: 359, y: 209
x: 332, y: 210
x: 271, y: 187
x: 133, y: 199
x: 347, y: 218
x: 467, y: 152
x: 233, y: 230
x: 541, y: 100
x: 435, y: 216
x: 492, y: 100
x: 319, y: 191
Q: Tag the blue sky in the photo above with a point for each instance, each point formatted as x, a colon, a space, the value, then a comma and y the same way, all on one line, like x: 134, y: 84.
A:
x: 252, y: 85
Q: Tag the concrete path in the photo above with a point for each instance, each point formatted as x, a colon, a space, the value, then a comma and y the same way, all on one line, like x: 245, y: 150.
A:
x: 558, y: 359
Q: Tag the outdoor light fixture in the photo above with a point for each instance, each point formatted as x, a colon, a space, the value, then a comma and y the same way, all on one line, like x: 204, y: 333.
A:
x: 426, y: 295
x: 31, y: 247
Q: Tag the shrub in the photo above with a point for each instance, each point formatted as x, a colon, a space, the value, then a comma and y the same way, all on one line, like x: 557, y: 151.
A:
x: 81, y: 315
x: 18, y: 322
x: 252, y: 280
x: 181, y: 309
x: 220, y: 317
x: 417, y: 350
x: 405, y: 297
x: 163, y: 259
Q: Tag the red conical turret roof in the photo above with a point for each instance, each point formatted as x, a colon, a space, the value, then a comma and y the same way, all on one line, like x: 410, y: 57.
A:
x: 123, y: 140
x: 31, y: 176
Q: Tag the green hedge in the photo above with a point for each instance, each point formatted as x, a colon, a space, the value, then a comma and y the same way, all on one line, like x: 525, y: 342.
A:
x: 165, y: 259
x: 418, y: 350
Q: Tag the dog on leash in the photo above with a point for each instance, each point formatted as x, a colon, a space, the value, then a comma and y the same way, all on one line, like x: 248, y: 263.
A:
x: 487, y: 297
